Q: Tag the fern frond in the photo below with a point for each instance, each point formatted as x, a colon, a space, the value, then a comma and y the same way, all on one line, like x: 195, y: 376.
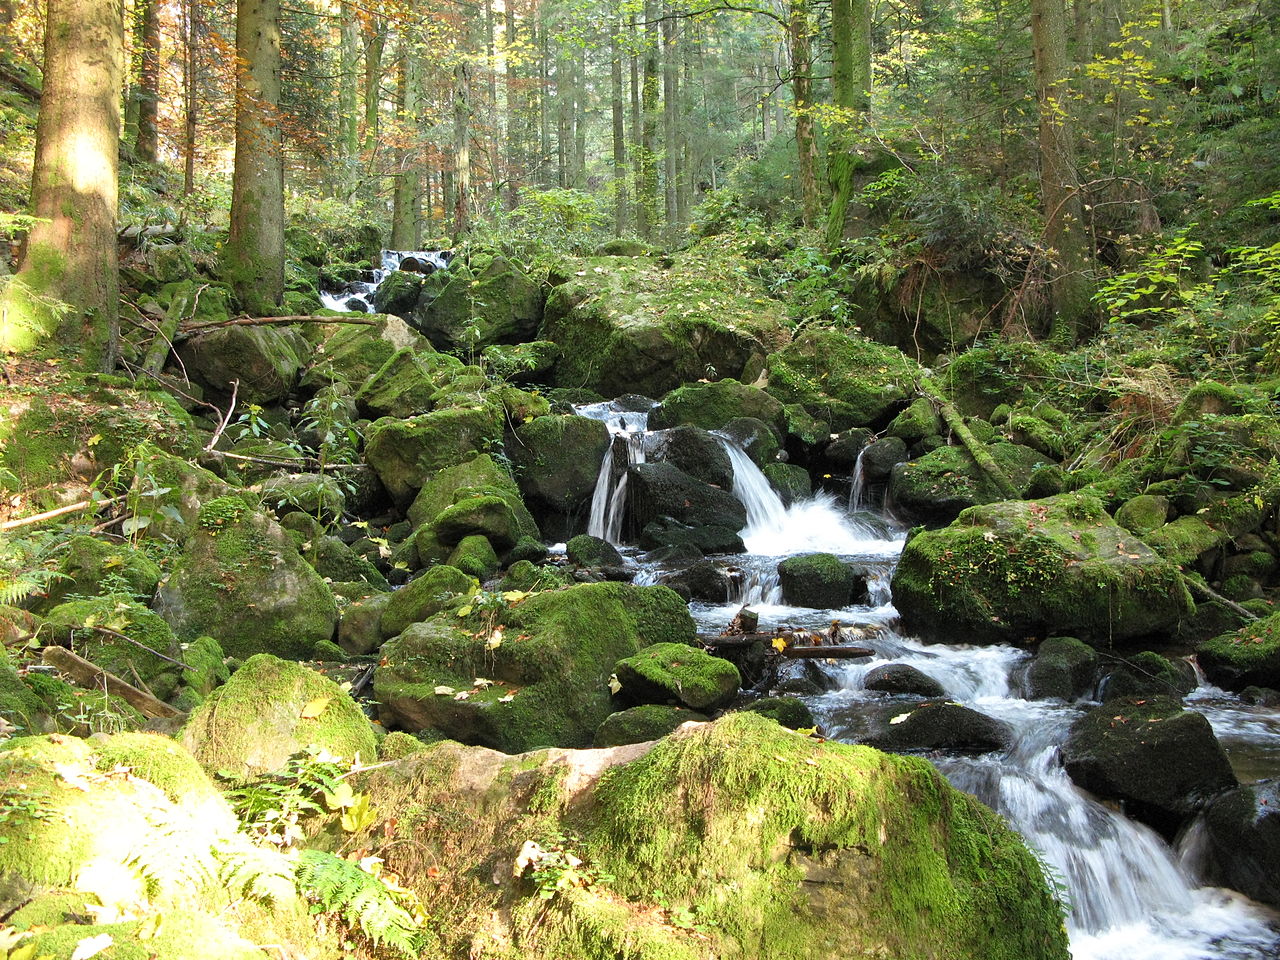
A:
x: 360, y: 899
x: 256, y: 873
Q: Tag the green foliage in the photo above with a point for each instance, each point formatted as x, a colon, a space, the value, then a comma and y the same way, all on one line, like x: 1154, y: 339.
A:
x: 554, y: 868
x: 555, y: 220
x: 363, y: 898
x: 1155, y: 289
x: 27, y: 563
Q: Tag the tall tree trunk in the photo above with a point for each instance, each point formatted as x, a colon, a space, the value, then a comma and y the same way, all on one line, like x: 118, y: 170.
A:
x: 515, y: 108
x: 1064, y: 231
x: 647, y: 155
x: 581, y: 101
x: 253, y: 258
x: 564, y: 132
x: 405, y: 195
x: 544, y: 90
x: 851, y: 88
x: 670, y: 119
x: 462, y: 148
x: 375, y: 44
x: 633, y: 131
x: 190, y: 101
x: 148, y: 91
x: 799, y: 31
x: 70, y: 253
x: 618, y: 108
x: 348, y: 96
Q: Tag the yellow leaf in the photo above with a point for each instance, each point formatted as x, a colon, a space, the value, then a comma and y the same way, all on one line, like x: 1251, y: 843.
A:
x: 358, y: 815
x: 481, y: 683
x: 807, y: 731
x: 443, y: 691
x: 94, y: 440
x: 779, y: 644
x: 314, y: 708
x: 494, y: 642
x: 614, y: 684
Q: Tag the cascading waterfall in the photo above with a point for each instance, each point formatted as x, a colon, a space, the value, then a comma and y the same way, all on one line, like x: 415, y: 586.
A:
x: 360, y: 293
x: 858, y: 487
x: 609, y: 500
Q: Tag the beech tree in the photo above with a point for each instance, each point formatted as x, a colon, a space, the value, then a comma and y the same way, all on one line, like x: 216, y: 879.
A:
x: 253, y: 259
x: 68, y: 284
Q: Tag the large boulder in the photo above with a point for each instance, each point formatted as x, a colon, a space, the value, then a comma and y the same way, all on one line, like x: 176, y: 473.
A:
x: 406, y: 385
x: 91, y: 566
x: 695, y: 451
x: 352, y: 354
x: 524, y: 673
x: 628, y: 326
x: 776, y: 845
x: 242, y: 581
x: 1063, y: 667
x: 406, y: 453
x: 677, y: 672
x: 935, y: 725
x: 1008, y: 571
x: 475, y: 305
x: 266, y: 361
x: 820, y: 580
x: 649, y: 721
x: 558, y: 461
x: 1148, y: 674
x: 664, y: 490
x: 712, y: 406
x: 902, y: 679
x: 1246, y: 657
x: 421, y: 599
x: 847, y: 381
x: 1161, y: 762
x: 271, y: 709
x: 1242, y: 834
x: 469, y: 499
x: 936, y: 487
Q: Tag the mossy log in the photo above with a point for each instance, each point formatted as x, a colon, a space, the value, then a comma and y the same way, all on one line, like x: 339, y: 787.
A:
x: 976, y: 449
x: 92, y: 677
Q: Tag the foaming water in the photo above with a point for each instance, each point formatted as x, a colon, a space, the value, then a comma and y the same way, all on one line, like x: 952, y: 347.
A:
x: 357, y: 297
x: 609, y: 499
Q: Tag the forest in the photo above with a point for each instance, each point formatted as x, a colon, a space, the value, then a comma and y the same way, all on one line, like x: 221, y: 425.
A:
x: 640, y: 479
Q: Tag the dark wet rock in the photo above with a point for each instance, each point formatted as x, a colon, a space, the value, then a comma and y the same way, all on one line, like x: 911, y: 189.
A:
x: 697, y: 452
x: 1063, y: 668
x: 666, y: 533
x: 649, y: 721
x: 936, y: 725
x: 821, y: 581
x: 788, y: 711
x: 1242, y: 841
x: 703, y: 580
x: 664, y: 490
x: 903, y: 678
x: 1147, y: 674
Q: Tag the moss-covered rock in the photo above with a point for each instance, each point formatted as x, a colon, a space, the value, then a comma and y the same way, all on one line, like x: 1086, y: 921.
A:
x: 1161, y: 762
x: 695, y: 451
x: 397, y: 745
x: 486, y: 515
x: 360, y: 626
x: 477, y: 477
x: 172, y: 491
x: 820, y: 580
x: 1009, y: 571
x: 1063, y: 667
x: 338, y: 563
x: 650, y: 721
x: 845, y: 381
x: 549, y: 668
x: 902, y: 678
x: 475, y: 556
x: 936, y: 725
x: 317, y: 494
x: 919, y: 421
x: 667, y: 672
x: 405, y: 384
x: 20, y: 708
x: 422, y: 598
x: 1144, y: 514
x: 92, y: 566
x: 791, y: 712
x: 790, y: 481
x: 531, y: 362
x: 664, y: 490
x: 406, y: 453
x: 936, y: 487
x: 712, y: 405
x: 269, y: 710
x: 264, y: 360
x: 488, y: 300
x: 353, y: 354
x: 629, y: 326
x: 558, y: 460
x: 1147, y: 674
x: 588, y: 551
x: 242, y: 581
x: 1242, y: 832
x: 1246, y: 657
x: 140, y: 647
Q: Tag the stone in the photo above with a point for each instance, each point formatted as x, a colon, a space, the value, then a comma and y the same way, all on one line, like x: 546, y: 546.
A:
x: 320, y: 495
x: 263, y: 359
x: 487, y: 301
x: 667, y: 534
x: 589, y: 551
x: 1063, y: 668
x: 558, y: 459
x: 92, y: 566
x: 1242, y: 841
x: 937, y: 725
x: 664, y: 490
x: 532, y: 362
x: 422, y: 598
x: 902, y: 678
x: 153, y: 660
x: 936, y: 487
x: 701, y: 580
x: 791, y: 712
x: 407, y: 453
x: 1147, y: 674
x: 1249, y: 656
x: 790, y: 481
x: 360, y: 625
x: 821, y: 581
x: 1144, y: 514
x: 352, y: 354
x: 678, y: 672
x: 649, y: 721
x: 695, y: 451
x: 1162, y: 763
x: 712, y: 406
x: 486, y: 515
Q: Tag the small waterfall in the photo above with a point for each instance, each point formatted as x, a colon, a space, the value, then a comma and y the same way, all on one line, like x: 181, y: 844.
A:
x: 858, y: 489
x: 360, y: 293
x: 609, y: 500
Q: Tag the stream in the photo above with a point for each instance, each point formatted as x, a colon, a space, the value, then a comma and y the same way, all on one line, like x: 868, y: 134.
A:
x: 1131, y: 896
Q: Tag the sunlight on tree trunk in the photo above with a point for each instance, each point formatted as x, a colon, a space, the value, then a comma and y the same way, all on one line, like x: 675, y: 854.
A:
x: 851, y: 89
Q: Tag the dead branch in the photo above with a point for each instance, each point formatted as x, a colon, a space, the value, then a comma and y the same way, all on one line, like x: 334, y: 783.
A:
x: 362, y: 319
x: 92, y: 677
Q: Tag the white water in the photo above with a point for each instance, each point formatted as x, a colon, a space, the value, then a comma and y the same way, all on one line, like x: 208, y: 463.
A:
x: 858, y: 488
x: 609, y: 500
x: 363, y: 292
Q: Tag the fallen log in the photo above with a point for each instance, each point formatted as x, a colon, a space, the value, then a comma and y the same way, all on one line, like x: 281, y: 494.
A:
x: 92, y: 677
x: 827, y: 653
x: 194, y: 328
x: 976, y: 449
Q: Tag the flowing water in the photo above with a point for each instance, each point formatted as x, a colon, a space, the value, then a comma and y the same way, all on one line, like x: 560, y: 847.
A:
x: 358, y: 297
x: 1130, y: 896
x: 628, y: 429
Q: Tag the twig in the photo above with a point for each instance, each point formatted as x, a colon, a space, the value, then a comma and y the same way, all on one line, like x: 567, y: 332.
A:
x: 226, y: 418
x: 90, y: 676
x: 59, y: 512
x: 141, y: 646
x: 263, y: 321
x: 1206, y: 592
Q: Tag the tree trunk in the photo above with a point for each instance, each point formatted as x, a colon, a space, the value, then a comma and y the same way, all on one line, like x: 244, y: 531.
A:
x: 462, y: 149
x: 70, y: 253
x: 253, y: 259
x: 148, y: 91
x: 646, y: 155
x: 670, y: 119
x: 375, y: 44
x: 190, y: 105
x: 348, y: 97
x: 851, y: 88
x: 515, y: 109
x: 619, y: 131
x: 406, y: 194
x: 798, y: 36
x: 1064, y: 229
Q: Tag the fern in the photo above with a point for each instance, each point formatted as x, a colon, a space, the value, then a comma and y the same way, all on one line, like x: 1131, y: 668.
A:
x: 256, y: 873
x: 26, y: 566
x: 380, y: 909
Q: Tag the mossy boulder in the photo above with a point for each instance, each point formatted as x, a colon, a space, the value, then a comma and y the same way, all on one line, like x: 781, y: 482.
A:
x: 548, y: 670
x: 154, y: 657
x: 678, y: 539
x: 486, y: 515
x: 936, y: 487
x: 1148, y: 674
x: 531, y: 362
x: 1063, y: 667
x: 791, y: 712
x: 398, y: 292
x: 319, y: 495
x: 406, y: 384
x: 474, y: 555
x: 558, y: 461
x: 1009, y: 571
x: 478, y: 477
x: 20, y: 708
x: 242, y: 581
x: 844, y: 380
x: 713, y: 405
x: 903, y: 679
x: 175, y: 490
x: 918, y: 422
x: 269, y: 710
x: 352, y: 354
x: 406, y: 453
x: 936, y: 725
x: 790, y: 481
x: 666, y: 672
x: 695, y: 451
x: 820, y: 580
x: 1242, y: 832
x: 1144, y: 514
x: 1246, y: 657
x: 1162, y: 763
x: 265, y: 361
x: 92, y: 566
x: 649, y: 721
x: 485, y: 302
x: 588, y: 551
x: 630, y: 326
x: 338, y: 563
x: 664, y: 490
x: 422, y: 598
x: 360, y: 626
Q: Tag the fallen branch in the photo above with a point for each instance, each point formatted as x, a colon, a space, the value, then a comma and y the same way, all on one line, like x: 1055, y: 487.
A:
x: 141, y: 646
x: 92, y: 677
x: 1206, y: 592
x: 977, y: 450
x: 827, y: 653
x: 363, y: 319
x: 59, y: 512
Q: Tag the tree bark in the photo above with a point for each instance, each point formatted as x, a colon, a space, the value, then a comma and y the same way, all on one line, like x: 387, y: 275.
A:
x: 375, y: 45
x: 646, y: 155
x: 799, y: 31
x: 851, y: 89
x: 148, y: 91
x: 670, y: 119
x: 348, y: 96
x: 406, y: 194
x: 462, y: 148
x: 618, y: 108
x: 1070, y: 284
x: 190, y: 104
x: 253, y: 259
x: 70, y: 253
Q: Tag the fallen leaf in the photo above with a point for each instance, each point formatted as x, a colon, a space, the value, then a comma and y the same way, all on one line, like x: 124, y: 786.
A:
x: 443, y: 691
x: 92, y: 946
x: 614, y: 683
x: 901, y: 717
x: 314, y: 708
x: 481, y: 683
x: 779, y: 644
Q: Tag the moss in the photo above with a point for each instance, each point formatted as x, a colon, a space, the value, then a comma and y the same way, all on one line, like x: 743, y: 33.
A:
x: 1185, y: 539
x: 1143, y: 515
x: 588, y: 551
x: 649, y: 721
x: 178, y: 935
x: 1246, y: 657
x: 729, y: 820
x: 158, y: 760
x: 353, y: 354
x: 475, y: 556
x: 1147, y: 673
x: 788, y: 711
x: 315, y: 494
x: 93, y: 566
x: 937, y: 486
x: 149, y: 658
x: 918, y: 421
x: 398, y: 745
x: 256, y: 720
x: 1063, y: 668
x: 19, y: 705
x: 407, y: 453
x: 676, y: 671
x: 487, y: 515
x: 712, y: 405
x: 438, y: 589
x: 522, y: 362
x: 790, y: 481
x: 819, y: 580
x: 477, y: 476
